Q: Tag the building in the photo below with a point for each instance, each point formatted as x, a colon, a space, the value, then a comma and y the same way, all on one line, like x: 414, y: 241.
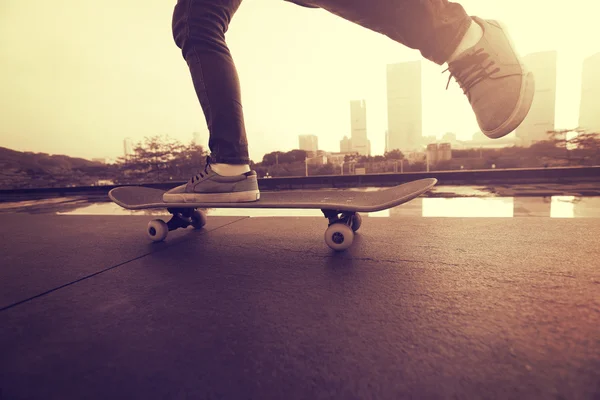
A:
x: 336, y: 158
x: 431, y: 152
x: 444, y: 152
x: 589, y: 110
x: 386, y: 140
x: 345, y: 145
x: 438, y: 152
x: 309, y: 143
x: 358, y: 128
x: 127, y: 147
x: 404, y: 106
x: 540, y: 119
x: 316, y: 160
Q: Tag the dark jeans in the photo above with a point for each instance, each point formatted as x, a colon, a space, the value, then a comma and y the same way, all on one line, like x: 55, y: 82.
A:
x: 435, y: 27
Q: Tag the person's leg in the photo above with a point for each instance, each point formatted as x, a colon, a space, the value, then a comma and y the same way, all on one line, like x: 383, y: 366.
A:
x: 435, y: 27
x: 199, y: 28
x: 479, y: 53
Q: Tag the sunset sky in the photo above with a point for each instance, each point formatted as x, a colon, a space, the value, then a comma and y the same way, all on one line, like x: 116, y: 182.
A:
x: 80, y: 76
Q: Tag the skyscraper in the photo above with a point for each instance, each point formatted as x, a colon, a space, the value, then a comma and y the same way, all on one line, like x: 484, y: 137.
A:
x: 345, y: 145
x: 387, y: 145
x: 309, y: 143
x: 540, y: 119
x: 404, y: 106
x: 358, y: 128
x: 589, y: 111
x: 127, y: 147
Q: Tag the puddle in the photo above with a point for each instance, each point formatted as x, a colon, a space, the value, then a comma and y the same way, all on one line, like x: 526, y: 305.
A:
x: 442, y: 201
x: 454, y: 207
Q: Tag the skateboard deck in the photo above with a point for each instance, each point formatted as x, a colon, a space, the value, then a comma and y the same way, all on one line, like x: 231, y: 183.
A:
x: 332, y: 202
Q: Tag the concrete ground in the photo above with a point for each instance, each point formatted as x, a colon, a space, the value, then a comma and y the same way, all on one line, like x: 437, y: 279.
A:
x: 261, y: 308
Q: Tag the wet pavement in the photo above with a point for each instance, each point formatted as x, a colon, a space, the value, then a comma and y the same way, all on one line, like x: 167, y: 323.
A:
x: 558, y: 201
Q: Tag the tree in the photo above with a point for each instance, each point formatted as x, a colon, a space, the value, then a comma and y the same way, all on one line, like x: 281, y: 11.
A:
x: 394, y: 155
x: 571, y: 144
x: 326, y: 169
x: 296, y: 155
x: 271, y: 158
x: 350, y: 157
x: 279, y: 157
x: 161, y: 154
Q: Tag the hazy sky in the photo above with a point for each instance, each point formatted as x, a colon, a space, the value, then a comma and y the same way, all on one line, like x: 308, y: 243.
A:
x: 78, y: 76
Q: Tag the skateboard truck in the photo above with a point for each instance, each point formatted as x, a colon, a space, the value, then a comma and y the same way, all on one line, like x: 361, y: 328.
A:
x: 338, y: 236
x: 180, y: 218
x: 342, y: 225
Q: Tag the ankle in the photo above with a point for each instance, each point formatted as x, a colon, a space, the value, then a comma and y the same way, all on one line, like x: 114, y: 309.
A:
x: 470, y: 39
x: 230, y: 169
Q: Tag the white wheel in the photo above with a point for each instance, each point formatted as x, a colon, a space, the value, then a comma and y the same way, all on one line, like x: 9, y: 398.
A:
x: 157, y: 230
x: 339, y: 236
x: 356, y: 222
x: 198, y: 219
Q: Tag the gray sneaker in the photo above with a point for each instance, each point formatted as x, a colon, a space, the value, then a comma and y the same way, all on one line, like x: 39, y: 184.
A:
x: 210, y: 187
x: 495, y: 80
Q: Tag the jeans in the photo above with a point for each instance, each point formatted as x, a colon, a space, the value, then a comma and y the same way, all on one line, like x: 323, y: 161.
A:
x: 434, y: 27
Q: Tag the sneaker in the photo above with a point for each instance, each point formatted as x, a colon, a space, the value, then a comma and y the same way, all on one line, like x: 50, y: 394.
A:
x: 495, y: 80
x: 210, y: 187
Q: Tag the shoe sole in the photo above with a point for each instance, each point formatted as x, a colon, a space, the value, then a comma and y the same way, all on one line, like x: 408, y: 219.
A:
x: 232, y: 197
x: 525, y: 98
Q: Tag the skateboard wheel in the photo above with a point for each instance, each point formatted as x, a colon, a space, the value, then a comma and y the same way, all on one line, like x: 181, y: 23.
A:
x: 339, y: 236
x: 157, y: 230
x: 356, y: 222
x: 198, y: 219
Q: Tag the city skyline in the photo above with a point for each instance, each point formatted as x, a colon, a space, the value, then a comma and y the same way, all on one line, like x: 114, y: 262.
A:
x: 404, y: 95
x: 542, y: 115
x: 82, y: 94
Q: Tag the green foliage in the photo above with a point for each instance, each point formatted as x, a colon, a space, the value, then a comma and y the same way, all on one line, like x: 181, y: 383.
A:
x: 279, y: 157
x: 326, y: 169
x: 29, y: 170
x: 159, y: 159
x: 394, y: 155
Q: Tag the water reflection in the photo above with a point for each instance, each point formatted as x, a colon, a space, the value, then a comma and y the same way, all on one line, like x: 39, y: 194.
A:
x: 468, y: 207
x: 456, y: 207
x: 575, y: 207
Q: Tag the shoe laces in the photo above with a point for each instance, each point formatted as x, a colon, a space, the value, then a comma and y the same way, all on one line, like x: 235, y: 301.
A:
x: 471, y: 69
x: 201, y: 175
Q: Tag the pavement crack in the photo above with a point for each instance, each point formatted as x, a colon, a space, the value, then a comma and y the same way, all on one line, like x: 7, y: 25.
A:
x: 71, y: 283
x: 47, y: 292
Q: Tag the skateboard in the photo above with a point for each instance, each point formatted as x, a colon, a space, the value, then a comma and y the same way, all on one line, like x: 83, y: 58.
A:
x: 341, y: 208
